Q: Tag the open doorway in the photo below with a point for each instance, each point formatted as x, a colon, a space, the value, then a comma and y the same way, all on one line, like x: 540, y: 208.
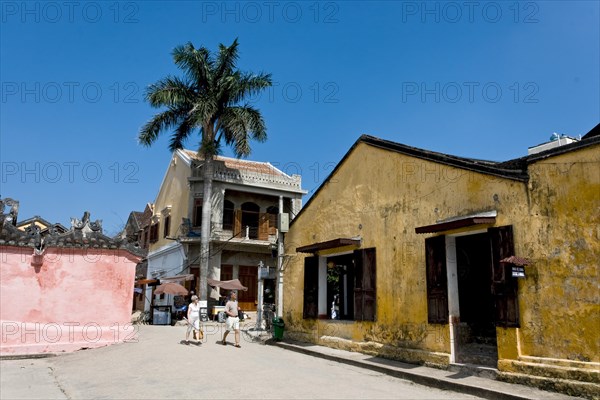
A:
x: 477, y: 329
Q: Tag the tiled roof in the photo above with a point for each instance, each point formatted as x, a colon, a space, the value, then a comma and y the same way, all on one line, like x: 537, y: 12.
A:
x: 516, y: 169
x: 83, y: 234
x: 239, y: 164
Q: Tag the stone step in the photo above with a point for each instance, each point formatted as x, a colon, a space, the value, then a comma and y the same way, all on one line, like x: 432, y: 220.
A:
x: 474, y: 369
x: 554, y: 371
x: 588, y: 390
x: 478, y: 354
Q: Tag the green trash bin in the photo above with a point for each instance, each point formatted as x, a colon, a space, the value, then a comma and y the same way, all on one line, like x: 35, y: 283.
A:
x: 278, y: 326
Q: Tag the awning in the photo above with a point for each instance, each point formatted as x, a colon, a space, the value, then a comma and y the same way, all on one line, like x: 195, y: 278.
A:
x: 145, y: 281
x: 459, y: 222
x: 177, y: 278
x: 233, y: 284
x: 520, y: 261
x: 330, y: 244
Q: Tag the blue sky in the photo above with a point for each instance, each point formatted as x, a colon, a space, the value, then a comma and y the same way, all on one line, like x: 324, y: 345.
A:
x: 482, y: 79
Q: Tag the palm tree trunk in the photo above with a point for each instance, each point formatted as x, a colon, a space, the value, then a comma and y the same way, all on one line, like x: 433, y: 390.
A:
x: 205, y: 229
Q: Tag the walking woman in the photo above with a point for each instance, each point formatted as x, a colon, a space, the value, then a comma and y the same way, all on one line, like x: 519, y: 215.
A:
x: 193, y: 318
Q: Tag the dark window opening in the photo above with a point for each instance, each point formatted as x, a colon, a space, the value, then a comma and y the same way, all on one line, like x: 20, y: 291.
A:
x: 154, y: 233
x: 228, y: 215
x: 167, y: 226
x: 351, y: 286
x: 197, y: 222
x: 272, y: 215
x: 250, y: 218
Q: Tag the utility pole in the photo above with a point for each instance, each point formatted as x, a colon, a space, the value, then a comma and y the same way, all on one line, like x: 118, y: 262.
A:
x: 259, y: 309
x: 280, y: 258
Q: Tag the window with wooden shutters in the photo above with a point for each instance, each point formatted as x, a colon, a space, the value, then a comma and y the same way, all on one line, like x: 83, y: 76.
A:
x: 311, y: 287
x: 437, y: 285
x: 365, y: 285
x: 504, y: 285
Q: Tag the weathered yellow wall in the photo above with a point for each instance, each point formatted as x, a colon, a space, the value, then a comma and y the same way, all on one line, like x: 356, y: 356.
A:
x: 174, y: 192
x: 560, y: 310
x: 382, y: 196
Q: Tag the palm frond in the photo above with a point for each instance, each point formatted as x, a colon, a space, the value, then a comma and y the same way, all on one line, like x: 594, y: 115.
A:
x: 226, y: 60
x: 182, y: 132
x: 159, y: 123
x: 170, y: 91
x: 247, y: 85
x: 241, y: 124
x: 196, y: 63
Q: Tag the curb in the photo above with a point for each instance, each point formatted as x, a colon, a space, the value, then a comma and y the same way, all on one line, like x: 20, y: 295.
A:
x: 27, y: 356
x: 482, y: 387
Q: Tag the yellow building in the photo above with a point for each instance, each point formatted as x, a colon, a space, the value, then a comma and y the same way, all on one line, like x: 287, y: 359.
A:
x: 247, y: 197
x: 430, y: 258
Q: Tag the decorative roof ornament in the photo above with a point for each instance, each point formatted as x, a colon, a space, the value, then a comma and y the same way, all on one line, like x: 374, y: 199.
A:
x: 85, y: 225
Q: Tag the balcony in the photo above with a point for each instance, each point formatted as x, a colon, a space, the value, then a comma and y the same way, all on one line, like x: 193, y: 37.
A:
x: 248, y: 235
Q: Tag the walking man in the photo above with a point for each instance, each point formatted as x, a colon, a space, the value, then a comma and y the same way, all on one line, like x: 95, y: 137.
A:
x: 233, y: 320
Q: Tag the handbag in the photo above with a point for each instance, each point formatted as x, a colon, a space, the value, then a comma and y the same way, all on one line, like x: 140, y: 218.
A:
x: 241, y: 315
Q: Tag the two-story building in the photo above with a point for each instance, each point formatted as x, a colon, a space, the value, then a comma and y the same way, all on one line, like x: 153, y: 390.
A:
x: 245, y: 204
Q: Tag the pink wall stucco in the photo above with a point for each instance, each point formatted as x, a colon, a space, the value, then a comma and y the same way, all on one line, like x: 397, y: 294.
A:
x: 76, y: 298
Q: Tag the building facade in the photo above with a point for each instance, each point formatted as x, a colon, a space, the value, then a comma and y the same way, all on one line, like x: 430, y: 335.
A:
x: 430, y: 258
x: 245, y: 207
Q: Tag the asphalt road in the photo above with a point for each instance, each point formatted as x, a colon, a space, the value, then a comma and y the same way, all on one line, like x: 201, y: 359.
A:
x: 157, y: 365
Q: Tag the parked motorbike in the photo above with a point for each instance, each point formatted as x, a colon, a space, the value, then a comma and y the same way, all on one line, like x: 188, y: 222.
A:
x: 180, y: 313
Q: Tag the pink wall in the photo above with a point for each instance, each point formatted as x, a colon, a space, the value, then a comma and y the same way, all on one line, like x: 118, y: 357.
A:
x: 67, y: 300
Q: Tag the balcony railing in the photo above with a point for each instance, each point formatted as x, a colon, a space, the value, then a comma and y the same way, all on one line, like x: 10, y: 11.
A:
x: 241, y: 176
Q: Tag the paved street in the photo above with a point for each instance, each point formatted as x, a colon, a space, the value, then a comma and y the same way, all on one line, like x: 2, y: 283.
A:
x: 158, y: 365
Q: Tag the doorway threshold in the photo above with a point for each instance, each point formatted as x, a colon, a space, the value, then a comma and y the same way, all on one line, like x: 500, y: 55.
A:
x: 467, y: 369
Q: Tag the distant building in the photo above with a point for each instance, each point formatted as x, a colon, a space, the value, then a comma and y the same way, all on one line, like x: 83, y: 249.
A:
x: 556, y: 140
x: 62, y: 290
x: 136, y: 231
x: 245, y: 201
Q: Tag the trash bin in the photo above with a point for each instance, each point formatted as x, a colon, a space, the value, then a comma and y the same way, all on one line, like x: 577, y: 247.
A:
x: 278, y: 327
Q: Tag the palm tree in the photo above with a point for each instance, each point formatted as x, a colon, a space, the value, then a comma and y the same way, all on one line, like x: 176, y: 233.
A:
x: 211, y: 100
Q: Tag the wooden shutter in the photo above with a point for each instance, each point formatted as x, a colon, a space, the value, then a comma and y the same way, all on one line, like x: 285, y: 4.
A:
x: 365, y: 285
x: 237, y: 223
x: 263, y: 226
x: 437, y: 281
x: 504, y: 285
x: 311, y: 287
